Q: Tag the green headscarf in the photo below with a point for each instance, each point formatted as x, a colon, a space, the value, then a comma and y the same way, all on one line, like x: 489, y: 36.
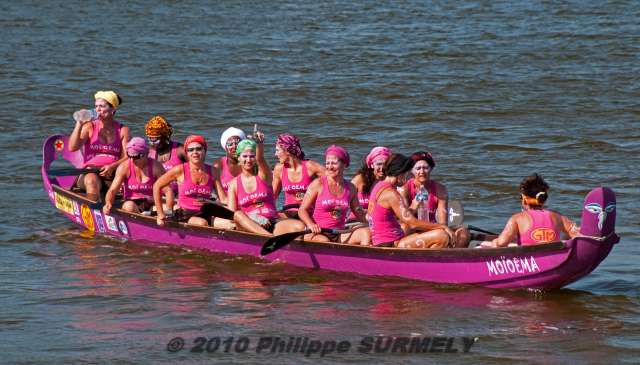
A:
x: 244, y: 144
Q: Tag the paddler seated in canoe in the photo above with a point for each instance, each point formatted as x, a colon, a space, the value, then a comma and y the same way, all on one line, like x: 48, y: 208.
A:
x: 534, y: 224
x: 228, y: 167
x: 138, y: 173
x: 292, y: 174
x: 161, y: 148
x: 371, y: 171
x: 197, y: 182
x: 104, y: 142
x: 387, y: 210
x: 329, y: 198
x: 250, y: 194
x: 428, y: 199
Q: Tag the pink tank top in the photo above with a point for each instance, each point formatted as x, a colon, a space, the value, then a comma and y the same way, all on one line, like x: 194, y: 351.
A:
x: 174, y: 157
x: 432, y: 201
x: 363, y: 200
x: 383, y: 222
x: 542, y: 228
x: 331, y: 211
x: 260, y: 202
x: 189, y: 192
x: 174, y: 160
x: 101, y: 154
x: 225, y: 175
x: 294, y: 191
x: 135, y: 189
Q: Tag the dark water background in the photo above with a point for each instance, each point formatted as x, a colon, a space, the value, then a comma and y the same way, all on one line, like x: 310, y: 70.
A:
x: 495, y: 89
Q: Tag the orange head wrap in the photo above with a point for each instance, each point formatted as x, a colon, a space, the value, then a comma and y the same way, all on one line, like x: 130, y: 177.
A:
x: 158, y: 127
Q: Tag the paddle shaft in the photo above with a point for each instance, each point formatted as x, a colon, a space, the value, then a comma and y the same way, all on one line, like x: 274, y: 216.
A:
x: 277, y: 242
x: 71, y: 171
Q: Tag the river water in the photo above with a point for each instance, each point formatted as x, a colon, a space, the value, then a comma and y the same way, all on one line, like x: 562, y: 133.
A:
x: 495, y: 89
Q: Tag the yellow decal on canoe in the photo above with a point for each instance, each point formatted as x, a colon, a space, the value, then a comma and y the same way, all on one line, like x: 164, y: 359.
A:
x: 87, y: 218
x: 63, y: 203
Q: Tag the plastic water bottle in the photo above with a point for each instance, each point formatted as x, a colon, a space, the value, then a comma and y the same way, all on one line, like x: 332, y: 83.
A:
x: 84, y: 115
x: 422, y: 210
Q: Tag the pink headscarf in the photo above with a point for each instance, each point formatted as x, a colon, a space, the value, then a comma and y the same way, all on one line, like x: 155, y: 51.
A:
x: 291, y: 144
x: 339, y: 152
x: 377, y: 152
x: 137, y: 146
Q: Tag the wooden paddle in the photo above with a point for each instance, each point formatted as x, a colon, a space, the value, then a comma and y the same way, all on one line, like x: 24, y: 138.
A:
x: 277, y: 242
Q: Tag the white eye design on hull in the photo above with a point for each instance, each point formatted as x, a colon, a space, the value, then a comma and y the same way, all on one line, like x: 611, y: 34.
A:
x: 595, y: 208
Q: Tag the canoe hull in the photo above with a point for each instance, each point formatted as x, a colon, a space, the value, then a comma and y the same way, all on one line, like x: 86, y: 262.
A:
x: 547, y: 266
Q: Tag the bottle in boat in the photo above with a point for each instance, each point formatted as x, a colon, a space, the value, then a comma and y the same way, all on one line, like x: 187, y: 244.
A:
x: 85, y: 115
x: 422, y: 211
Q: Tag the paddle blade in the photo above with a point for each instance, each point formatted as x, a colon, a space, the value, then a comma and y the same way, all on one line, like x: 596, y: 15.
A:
x: 277, y: 242
x: 456, y: 213
x: 216, y: 210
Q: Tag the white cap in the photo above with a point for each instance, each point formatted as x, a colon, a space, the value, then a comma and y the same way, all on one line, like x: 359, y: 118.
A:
x: 231, y: 132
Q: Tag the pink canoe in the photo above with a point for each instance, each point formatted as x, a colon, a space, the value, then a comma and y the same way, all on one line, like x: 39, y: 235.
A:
x: 546, y: 266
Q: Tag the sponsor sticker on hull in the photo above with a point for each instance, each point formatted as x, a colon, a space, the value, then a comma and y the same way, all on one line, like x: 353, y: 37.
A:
x: 111, y: 223
x: 99, y: 221
x: 87, y: 217
x: 64, y: 204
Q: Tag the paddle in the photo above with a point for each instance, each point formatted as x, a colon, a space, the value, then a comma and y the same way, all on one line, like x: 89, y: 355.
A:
x: 289, y: 206
x: 456, y: 217
x: 71, y: 171
x: 214, y: 208
x: 456, y: 213
x: 277, y: 242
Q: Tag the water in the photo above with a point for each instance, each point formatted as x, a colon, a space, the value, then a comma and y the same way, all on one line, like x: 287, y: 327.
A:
x: 495, y: 90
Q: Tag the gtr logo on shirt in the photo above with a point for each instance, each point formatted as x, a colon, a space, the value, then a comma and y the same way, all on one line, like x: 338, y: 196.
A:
x: 543, y: 235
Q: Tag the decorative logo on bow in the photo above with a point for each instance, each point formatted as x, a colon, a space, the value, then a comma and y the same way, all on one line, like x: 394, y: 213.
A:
x: 595, y: 208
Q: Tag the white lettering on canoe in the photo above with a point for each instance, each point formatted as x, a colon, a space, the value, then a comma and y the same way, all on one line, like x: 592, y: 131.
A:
x: 520, y: 265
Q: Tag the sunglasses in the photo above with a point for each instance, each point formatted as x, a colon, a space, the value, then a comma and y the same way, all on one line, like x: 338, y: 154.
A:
x: 426, y: 168
x: 154, y: 140
x: 232, y: 143
x: 134, y: 157
x: 195, y: 149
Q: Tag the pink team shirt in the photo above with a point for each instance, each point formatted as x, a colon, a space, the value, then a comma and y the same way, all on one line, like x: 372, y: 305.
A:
x: 135, y: 189
x: 331, y: 211
x: 383, y: 222
x: 101, y: 154
x: 189, y: 192
x: 294, y: 191
x: 542, y: 228
x: 260, y: 202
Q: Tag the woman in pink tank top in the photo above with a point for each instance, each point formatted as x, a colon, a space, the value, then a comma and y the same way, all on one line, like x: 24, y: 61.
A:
x: 292, y: 174
x: 387, y: 210
x: 169, y: 153
x: 534, y: 225
x: 196, y: 181
x: 228, y: 166
x: 250, y: 193
x: 104, y: 142
x: 137, y: 174
x: 328, y: 200
x: 435, y: 207
x: 371, y: 171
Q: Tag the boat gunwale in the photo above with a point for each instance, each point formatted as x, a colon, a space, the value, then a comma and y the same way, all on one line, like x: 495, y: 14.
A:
x: 298, y: 244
